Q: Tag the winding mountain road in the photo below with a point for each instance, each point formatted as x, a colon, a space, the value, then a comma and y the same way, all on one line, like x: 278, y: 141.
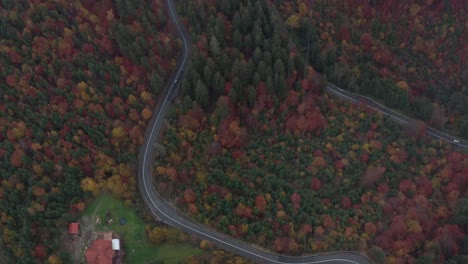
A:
x: 399, y: 118
x: 167, y: 213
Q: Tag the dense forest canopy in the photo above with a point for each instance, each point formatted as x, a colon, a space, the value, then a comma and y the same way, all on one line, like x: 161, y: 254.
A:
x: 411, y: 55
x: 256, y: 150
x: 79, y: 81
x: 252, y: 147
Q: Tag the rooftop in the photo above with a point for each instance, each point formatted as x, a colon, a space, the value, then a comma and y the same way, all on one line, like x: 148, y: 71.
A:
x: 73, y: 228
x: 100, y: 252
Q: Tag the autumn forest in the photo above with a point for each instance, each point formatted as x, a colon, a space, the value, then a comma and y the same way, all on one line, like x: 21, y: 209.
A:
x: 253, y: 146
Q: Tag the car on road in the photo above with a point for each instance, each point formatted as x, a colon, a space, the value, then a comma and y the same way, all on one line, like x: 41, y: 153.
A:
x: 175, y: 81
x: 456, y: 141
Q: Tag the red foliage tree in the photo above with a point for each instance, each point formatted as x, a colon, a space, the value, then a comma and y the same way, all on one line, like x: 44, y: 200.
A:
x: 407, y: 186
x: 39, y: 251
x: 306, y: 229
x: 281, y: 244
x: 285, y: 228
x: 383, y: 188
x: 398, y: 226
x: 346, y: 202
x: 384, y: 57
x: 448, y: 236
x: 454, y: 156
x: 260, y: 203
x: 371, y: 176
x: 295, y: 198
x: 40, y: 45
x: 293, y: 98
x: 384, y: 240
x: 315, y: 184
x: 424, y: 186
x: 11, y: 80
x: 344, y: 33
x: 416, y: 128
x: 402, y: 155
x: 364, y: 157
x: 366, y: 40
x: 189, y: 196
x: 370, y: 228
x: 231, y: 134
x: 328, y: 222
x: 243, y: 211
x: 291, y: 123
x: 285, y: 244
x: 14, y: 57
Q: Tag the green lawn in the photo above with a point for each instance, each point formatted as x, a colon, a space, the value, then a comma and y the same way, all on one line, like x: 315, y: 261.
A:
x: 133, y: 234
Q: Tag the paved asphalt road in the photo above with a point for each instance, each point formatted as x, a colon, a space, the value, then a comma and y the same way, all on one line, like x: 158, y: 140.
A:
x: 399, y: 118
x: 167, y: 213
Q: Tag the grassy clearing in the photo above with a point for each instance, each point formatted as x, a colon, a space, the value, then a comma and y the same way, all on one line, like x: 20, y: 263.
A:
x: 137, y: 246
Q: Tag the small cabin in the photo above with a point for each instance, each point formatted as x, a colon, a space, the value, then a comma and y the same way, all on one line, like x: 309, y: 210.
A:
x: 74, y: 229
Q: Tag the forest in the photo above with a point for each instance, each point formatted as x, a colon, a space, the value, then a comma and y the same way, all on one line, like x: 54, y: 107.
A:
x: 411, y: 55
x: 255, y: 149
x: 79, y: 81
x: 252, y: 147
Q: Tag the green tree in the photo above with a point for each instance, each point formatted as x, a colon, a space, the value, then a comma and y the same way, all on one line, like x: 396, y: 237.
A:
x: 218, y: 84
x: 201, y: 94
x: 219, y: 31
x: 208, y: 76
x: 461, y: 213
x: 156, y: 83
x: 214, y: 47
x: 422, y: 108
x: 377, y: 255
x: 236, y: 90
x: 251, y: 95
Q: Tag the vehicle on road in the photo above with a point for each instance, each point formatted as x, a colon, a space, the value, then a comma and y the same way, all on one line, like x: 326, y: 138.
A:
x: 456, y: 141
x: 175, y: 81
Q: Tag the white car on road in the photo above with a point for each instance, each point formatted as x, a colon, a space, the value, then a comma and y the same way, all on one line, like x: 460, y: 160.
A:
x: 456, y: 141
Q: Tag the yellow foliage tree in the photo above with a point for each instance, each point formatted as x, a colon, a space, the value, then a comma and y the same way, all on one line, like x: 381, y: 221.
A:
x: 88, y: 184
x: 146, y: 113
x: 414, y: 226
x: 118, y: 132
x: 54, y: 259
x: 293, y: 21
x: 201, y: 178
x: 80, y: 206
x: 160, y: 170
x: 402, y: 85
x: 38, y: 191
x: 82, y: 86
x: 131, y: 100
x: 414, y: 9
x: 204, y: 244
x: 114, y: 184
x: 18, y: 132
x: 157, y: 235
x: 145, y: 96
x: 244, y: 228
x: 302, y: 10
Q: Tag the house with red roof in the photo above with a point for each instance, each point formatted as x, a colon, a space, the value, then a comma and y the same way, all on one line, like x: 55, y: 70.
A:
x: 100, y: 252
x: 74, y: 230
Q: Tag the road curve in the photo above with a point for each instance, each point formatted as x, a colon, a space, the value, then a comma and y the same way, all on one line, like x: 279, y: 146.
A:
x: 399, y: 118
x: 167, y: 213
